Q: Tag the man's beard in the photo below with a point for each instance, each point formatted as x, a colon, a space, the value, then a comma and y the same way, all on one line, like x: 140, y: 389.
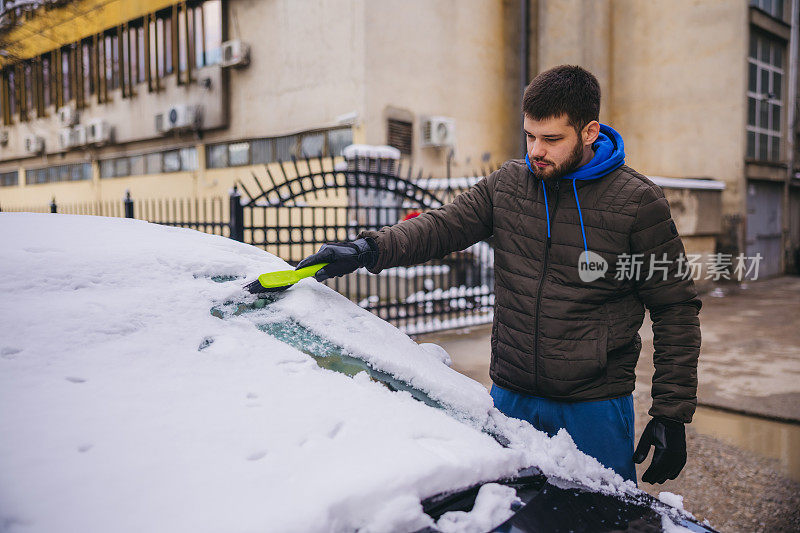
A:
x: 552, y: 172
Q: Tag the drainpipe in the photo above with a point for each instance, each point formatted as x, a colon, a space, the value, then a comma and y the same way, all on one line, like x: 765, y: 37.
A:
x: 524, y: 53
x: 791, y: 122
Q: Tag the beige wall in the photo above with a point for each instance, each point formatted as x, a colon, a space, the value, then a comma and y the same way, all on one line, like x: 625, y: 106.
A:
x: 456, y: 58
x: 306, y: 68
x: 679, y: 83
x: 575, y: 32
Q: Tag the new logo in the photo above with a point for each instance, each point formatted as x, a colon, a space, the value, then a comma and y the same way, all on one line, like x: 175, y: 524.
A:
x: 591, y: 266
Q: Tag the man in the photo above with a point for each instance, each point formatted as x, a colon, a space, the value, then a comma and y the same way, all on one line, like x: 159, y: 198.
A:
x: 566, y: 221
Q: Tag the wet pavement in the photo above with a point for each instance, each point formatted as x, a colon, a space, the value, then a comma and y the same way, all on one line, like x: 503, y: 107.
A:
x: 744, y: 444
x: 750, y: 354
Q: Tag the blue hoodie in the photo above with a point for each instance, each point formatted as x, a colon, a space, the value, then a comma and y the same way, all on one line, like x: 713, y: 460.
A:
x: 609, y: 154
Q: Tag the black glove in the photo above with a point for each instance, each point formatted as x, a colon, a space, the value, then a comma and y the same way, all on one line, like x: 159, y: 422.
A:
x: 344, y: 258
x: 669, y: 438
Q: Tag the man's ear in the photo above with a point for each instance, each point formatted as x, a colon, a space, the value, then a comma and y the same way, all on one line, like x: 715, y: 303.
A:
x: 590, y: 133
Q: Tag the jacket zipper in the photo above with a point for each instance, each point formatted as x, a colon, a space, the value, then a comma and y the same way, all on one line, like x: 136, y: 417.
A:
x: 541, y: 286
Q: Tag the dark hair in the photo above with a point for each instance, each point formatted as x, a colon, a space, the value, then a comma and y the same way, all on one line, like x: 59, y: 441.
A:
x: 566, y: 89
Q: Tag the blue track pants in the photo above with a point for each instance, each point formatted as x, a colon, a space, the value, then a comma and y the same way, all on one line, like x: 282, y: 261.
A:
x: 602, y: 429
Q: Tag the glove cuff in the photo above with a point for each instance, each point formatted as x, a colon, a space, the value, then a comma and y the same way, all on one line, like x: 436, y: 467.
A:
x: 669, y: 422
x: 367, y: 252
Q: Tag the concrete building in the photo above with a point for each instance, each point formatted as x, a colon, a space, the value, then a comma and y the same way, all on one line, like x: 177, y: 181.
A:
x: 180, y: 99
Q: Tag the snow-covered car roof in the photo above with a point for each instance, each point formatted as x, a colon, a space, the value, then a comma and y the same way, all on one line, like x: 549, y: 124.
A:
x: 143, y: 390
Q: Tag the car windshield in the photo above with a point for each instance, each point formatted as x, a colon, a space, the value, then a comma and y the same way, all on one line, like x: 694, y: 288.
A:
x: 323, y: 351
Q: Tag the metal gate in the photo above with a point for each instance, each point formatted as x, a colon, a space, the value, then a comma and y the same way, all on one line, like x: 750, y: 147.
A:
x: 764, y: 216
x: 296, y: 207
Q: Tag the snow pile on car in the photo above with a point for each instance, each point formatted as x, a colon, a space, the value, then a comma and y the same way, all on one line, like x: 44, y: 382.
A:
x: 127, y: 406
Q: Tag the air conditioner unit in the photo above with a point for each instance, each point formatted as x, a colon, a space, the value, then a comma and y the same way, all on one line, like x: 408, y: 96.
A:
x: 438, y: 131
x: 98, y: 131
x: 179, y: 117
x: 65, y: 139
x: 80, y: 135
x: 3, y: 137
x: 33, y: 144
x: 67, y: 116
x: 235, y: 54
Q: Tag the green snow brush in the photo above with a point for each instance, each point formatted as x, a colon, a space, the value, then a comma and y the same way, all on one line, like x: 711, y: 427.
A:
x: 281, y: 280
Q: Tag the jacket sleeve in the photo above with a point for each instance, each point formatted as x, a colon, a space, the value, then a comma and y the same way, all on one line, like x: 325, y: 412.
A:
x: 674, y: 308
x: 436, y: 233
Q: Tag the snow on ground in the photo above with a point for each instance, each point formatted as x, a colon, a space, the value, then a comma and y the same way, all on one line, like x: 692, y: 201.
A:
x: 127, y: 406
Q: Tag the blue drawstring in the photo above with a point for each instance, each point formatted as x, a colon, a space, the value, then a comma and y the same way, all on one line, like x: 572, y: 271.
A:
x: 583, y: 232
x: 580, y: 215
x: 546, y: 209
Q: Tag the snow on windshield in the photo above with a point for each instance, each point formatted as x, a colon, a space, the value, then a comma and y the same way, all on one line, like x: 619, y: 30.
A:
x: 128, y: 406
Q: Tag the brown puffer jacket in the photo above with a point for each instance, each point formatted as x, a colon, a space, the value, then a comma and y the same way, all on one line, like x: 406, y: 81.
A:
x: 554, y: 335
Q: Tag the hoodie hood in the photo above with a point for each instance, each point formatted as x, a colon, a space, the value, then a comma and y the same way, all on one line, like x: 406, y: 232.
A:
x: 609, y: 154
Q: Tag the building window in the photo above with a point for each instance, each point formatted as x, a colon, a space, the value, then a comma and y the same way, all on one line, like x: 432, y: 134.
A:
x: 772, y: 7
x: 122, y: 167
x: 184, y: 54
x: 9, y: 179
x: 39, y: 86
x: 86, y: 69
x: 106, y: 168
x: 196, y: 16
x: 182, y: 160
x: 136, y: 165
x: 125, y: 65
x: 269, y: 150
x: 400, y: 135
x: 140, y: 61
x: 165, y: 48
x: 152, y: 163
x: 338, y: 139
x: 11, y: 81
x: 171, y: 161
x: 217, y: 156
x: 111, y: 56
x: 239, y: 154
x: 73, y: 172
x: 261, y: 151
x: 285, y: 148
x: 65, y: 75
x: 27, y: 74
x: 212, y: 32
x: 312, y: 145
x: 46, y: 79
x: 764, y: 97
x: 188, y: 158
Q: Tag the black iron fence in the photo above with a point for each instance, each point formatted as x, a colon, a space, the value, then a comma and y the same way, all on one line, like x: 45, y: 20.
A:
x: 292, y: 208
x: 295, y: 207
